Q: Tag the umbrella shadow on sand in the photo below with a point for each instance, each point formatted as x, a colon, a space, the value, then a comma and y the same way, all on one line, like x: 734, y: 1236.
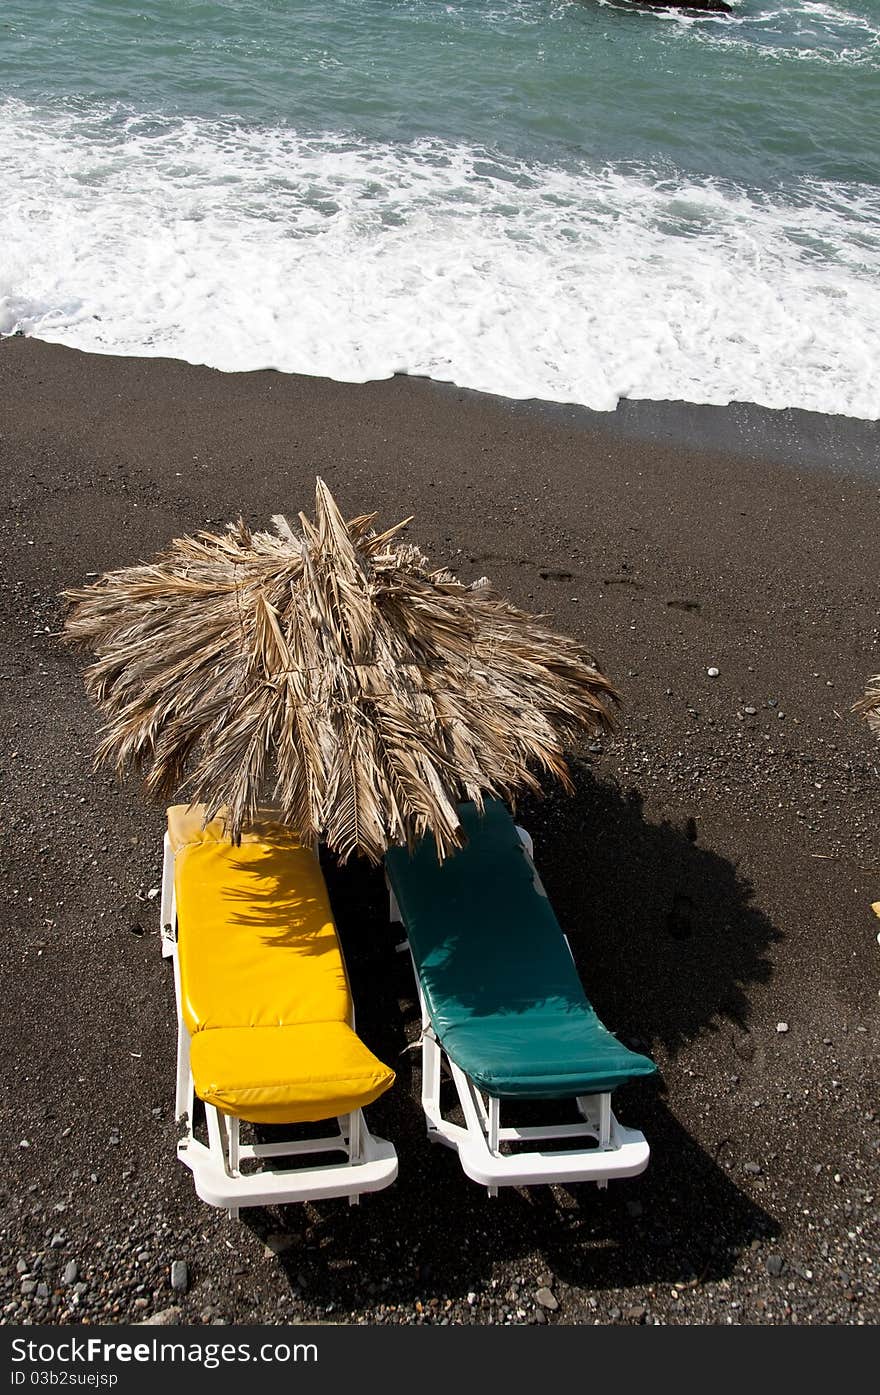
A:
x: 668, y: 942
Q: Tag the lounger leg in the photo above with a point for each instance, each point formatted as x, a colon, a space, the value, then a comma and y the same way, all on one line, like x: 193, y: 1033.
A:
x: 183, y: 1094
x: 494, y: 1127
x: 234, y: 1135
x: 604, y: 1130
x: 224, y: 1138
x: 604, y: 1121
x: 355, y: 1146
x: 430, y: 1078
x: 494, y: 1122
x: 167, y: 910
x: 596, y: 1110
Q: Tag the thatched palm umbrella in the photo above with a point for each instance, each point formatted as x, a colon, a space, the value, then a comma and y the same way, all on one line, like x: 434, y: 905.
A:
x: 869, y: 705
x: 332, y: 673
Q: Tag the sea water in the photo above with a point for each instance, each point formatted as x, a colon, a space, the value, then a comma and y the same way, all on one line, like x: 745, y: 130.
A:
x: 561, y: 199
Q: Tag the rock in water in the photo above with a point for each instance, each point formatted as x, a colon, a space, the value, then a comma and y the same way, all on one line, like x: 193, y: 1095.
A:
x: 719, y: 7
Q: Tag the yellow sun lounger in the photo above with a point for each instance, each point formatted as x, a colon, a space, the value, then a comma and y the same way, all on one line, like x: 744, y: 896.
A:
x: 265, y: 1019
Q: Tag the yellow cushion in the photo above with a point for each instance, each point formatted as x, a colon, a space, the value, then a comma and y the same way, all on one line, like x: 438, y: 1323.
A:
x: 287, y: 1075
x: 186, y: 824
x: 264, y: 993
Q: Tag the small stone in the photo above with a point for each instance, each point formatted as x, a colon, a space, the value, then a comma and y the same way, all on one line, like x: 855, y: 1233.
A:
x: 136, y: 928
x: 152, y: 893
x: 65, y: 1133
x: 80, y: 1288
x: 278, y: 1241
x: 750, y: 711
x: 43, y: 1291
x: 546, y: 1299
x: 179, y: 1276
x: 782, y: 1027
x: 637, y: 1313
x: 28, y: 1286
x: 166, y: 1317
x: 24, y: 1143
x: 713, y: 672
x: 21, y: 1267
x: 71, y: 1272
x: 57, y: 1242
x: 754, y: 1168
x: 774, y: 1264
x: 781, y: 716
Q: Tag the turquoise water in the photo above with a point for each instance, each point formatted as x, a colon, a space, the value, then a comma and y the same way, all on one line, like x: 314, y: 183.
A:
x: 575, y: 201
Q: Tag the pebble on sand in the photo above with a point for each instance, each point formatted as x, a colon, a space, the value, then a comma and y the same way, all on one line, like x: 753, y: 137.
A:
x: 166, y: 1317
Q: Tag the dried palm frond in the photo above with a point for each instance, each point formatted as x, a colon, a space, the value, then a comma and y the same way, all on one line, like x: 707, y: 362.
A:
x: 332, y: 673
x: 869, y: 705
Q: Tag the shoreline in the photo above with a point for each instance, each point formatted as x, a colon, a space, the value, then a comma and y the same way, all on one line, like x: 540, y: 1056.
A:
x: 714, y: 867
x: 785, y: 435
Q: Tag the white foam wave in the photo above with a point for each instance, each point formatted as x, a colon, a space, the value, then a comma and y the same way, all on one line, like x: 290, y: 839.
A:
x: 248, y: 249
x: 807, y: 31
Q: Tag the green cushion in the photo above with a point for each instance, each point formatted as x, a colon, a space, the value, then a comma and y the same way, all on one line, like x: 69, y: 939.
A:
x: 501, y: 988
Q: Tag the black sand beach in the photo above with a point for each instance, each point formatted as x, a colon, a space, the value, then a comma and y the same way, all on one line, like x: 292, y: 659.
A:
x: 715, y: 867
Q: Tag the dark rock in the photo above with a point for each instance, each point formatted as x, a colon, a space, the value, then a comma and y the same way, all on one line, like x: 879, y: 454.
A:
x: 715, y: 7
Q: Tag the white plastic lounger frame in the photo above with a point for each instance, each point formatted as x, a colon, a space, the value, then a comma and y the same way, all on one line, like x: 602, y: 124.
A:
x: 614, y: 1151
x: 370, y: 1162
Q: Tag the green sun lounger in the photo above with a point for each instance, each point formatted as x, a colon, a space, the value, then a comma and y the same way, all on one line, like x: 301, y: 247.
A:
x: 503, y: 1004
